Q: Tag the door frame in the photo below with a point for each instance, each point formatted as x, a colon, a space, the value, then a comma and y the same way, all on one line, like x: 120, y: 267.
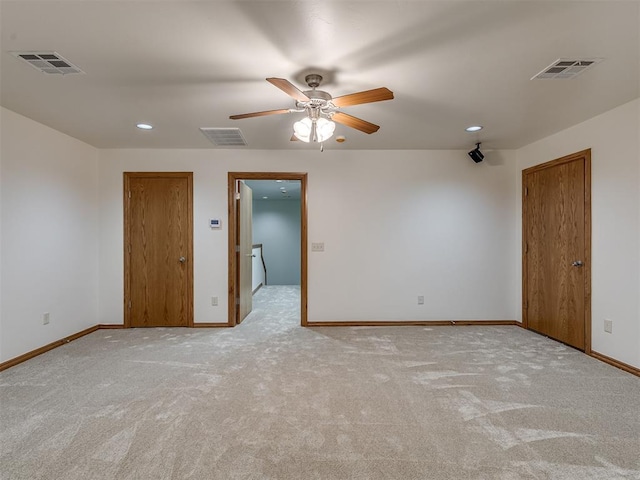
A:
x: 584, y: 155
x: 232, y: 178
x: 126, y: 195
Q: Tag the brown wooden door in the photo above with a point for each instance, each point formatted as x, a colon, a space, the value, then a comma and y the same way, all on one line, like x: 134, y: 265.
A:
x: 158, y: 250
x: 245, y: 237
x: 556, y: 237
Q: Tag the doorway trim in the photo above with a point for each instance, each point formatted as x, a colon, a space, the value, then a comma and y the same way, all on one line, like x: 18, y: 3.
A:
x: 232, y: 178
x: 586, y: 156
x: 126, y: 196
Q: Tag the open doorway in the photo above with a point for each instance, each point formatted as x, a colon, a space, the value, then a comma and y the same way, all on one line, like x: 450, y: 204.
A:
x: 242, y: 248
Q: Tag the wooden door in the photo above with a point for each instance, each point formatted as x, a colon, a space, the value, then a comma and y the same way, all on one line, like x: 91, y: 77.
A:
x: 245, y: 237
x: 557, y: 245
x: 158, y: 250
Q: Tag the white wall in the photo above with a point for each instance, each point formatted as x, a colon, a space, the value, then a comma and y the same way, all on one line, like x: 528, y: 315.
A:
x: 276, y: 224
x: 396, y: 224
x: 614, y: 139
x: 1, y: 269
x: 49, y: 217
x: 257, y: 269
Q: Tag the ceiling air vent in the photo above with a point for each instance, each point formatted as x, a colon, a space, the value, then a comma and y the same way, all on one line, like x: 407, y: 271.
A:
x: 225, y: 137
x: 565, y: 68
x: 48, y: 62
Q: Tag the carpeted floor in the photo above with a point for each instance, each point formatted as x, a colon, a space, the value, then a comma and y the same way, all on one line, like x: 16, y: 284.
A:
x: 272, y: 400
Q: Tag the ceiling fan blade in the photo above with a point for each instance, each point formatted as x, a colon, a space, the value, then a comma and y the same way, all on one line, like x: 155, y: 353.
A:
x: 259, y: 114
x: 289, y: 88
x: 355, y: 122
x: 368, y: 96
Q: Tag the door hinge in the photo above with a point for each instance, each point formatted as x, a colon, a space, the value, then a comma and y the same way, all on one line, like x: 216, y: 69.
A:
x: 237, y: 248
x: 129, y: 304
x: 237, y: 300
x: 129, y: 193
x: 526, y: 191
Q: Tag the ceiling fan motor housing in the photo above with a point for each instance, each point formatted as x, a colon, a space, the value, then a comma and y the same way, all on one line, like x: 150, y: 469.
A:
x: 319, y: 101
x: 318, y: 96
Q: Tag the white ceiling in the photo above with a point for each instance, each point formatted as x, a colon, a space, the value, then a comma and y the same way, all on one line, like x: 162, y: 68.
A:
x: 181, y: 65
x: 274, y: 189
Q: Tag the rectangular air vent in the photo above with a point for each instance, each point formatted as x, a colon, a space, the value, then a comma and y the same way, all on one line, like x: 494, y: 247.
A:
x: 225, y: 137
x: 566, y: 68
x: 48, y: 62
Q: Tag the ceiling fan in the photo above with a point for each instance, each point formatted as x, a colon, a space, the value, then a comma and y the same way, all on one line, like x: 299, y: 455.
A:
x: 322, y: 109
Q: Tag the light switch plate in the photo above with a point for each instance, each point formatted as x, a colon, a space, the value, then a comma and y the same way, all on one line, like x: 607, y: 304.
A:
x: 317, y: 246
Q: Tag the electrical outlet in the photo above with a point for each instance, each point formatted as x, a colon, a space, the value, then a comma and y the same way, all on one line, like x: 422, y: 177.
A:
x: 45, y: 318
x: 420, y: 299
x: 317, y: 246
x: 608, y: 325
x: 214, y: 301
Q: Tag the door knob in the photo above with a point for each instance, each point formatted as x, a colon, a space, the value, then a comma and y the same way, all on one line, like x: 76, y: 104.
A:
x: 250, y: 255
x: 577, y: 263
x: 182, y: 259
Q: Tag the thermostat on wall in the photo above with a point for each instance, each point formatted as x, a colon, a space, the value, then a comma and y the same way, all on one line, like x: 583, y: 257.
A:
x: 214, y: 223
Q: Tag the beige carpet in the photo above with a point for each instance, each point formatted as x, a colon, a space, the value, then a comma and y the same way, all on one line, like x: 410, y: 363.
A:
x: 272, y: 400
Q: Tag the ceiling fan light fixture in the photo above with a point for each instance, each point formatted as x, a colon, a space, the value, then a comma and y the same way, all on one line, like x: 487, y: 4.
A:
x: 324, y: 129
x: 304, y: 129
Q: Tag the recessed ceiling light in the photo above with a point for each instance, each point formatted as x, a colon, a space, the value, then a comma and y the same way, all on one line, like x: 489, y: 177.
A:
x: 283, y: 188
x: 144, y: 126
x: 473, y: 128
x: 278, y: 181
x: 264, y: 198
